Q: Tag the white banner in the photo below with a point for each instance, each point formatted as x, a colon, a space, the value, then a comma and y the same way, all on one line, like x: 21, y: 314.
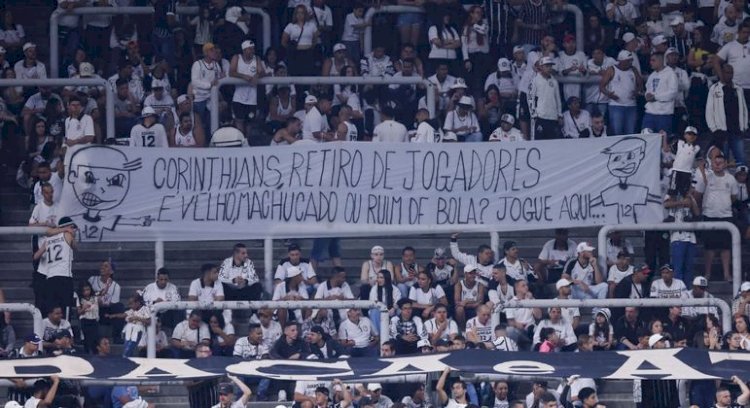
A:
x: 346, y: 189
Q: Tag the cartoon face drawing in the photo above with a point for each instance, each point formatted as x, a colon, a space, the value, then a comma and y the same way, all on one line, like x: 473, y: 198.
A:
x: 100, y: 178
x: 625, y: 156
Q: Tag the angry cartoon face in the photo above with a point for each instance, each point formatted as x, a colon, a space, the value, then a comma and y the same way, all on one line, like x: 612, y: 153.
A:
x: 100, y: 179
x: 625, y: 156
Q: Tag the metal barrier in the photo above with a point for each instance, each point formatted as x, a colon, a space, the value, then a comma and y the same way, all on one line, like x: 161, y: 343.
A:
x: 109, y: 92
x: 570, y: 8
x: 36, y: 315
x: 54, y: 38
x: 726, y: 311
x: 416, y: 80
x: 255, y: 305
x: 686, y: 226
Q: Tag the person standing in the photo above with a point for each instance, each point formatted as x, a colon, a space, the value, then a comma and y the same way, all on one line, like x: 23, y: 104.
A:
x: 661, y: 92
x: 389, y: 130
x: 735, y: 53
x: 79, y: 127
x: 238, y: 277
x: 204, y: 74
x: 149, y: 133
x: 726, y: 113
x: 55, y: 254
x: 544, y: 103
x: 246, y: 66
x: 620, y: 83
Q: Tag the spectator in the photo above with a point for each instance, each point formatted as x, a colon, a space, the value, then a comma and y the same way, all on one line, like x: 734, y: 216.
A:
x: 358, y: 334
x: 417, y: 398
x: 601, y: 331
x: 322, y: 345
x: 335, y: 288
x: 322, y: 318
x: 293, y: 288
x: 163, y: 291
x: 699, y: 291
x: 620, y: 83
x: 479, y: 328
x: 386, y: 292
x: 289, y: 346
x: 468, y: 294
x: 553, y: 256
x: 405, y: 274
x: 150, y: 133
x: 44, y: 393
x: 726, y: 109
x: 406, y: 329
x: 388, y: 130
x: 616, y: 244
x: 161, y: 101
x: 683, y: 243
x: 566, y: 340
x: 249, y: 67
x: 79, y: 127
x: 127, y: 109
x: 29, y: 67
x: 463, y: 121
x: 550, y: 339
x: 376, y: 397
x: 122, y: 395
x: 427, y: 296
x: 55, y: 256
x: 541, y: 396
x: 571, y: 315
x: 544, y: 102
x: 444, y: 41
x: 108, y: 293
x: 458, y: 397
x: 44, y: 214
x: 52, y: 324
x: 288, y: 134
x: 661, y: 92
x: 741, y: 303
x: 226, y: 394
x: 575, y: 120
x: 315, y: 125
x: 222, y: 335
x: 7, y: 339
x: 727, y: 28
x: 271, y: 329
x: 668, y: 286
x: 521, y: 321
x: 619, y: 271
x: 135, y: 83
x: 299, y: 39
x: 204, y: 74
x: 188, y: 334
x: 475, y: 46
x: 30, y: 348
x: 207, y: 289
x: 506, y: 132
x: 573, y: 63
x: 88, y: 316
x: 294, y: 259
x: 717, y: 190
x: 252, y: 346
x: 137, y: 317
x: 441, y: 329
x: 371, y: 268
x: 238, y: 277
x: 588, y: 281
x: 531, y: 23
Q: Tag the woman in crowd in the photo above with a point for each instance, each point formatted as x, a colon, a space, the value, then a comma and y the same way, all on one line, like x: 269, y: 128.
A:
x: 370, y: 269
x: 385, y: 292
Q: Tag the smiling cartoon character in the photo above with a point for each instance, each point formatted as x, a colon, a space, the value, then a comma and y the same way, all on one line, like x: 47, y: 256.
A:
x: 624, y: 161
x: 100, y: 179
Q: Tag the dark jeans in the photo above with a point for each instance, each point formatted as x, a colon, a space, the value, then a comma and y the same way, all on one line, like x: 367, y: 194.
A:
x: 115, y: 324
x: 57, y: 291
x: 251, y: 292
x: 90, y: 331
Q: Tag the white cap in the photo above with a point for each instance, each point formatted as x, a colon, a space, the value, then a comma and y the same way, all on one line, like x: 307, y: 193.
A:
x: 466, y: 100
x: 647, y: 131
x: 339, y: 47
x: 424, y: 343
x: 310, y: 99
x: 86, y: 69
x: 460, y: 83
x: 655, y: 338
x: 13, y: 404
x: 624, y: 55
x: 628, y: 37
x: 508, y: 118
x: 546, y: 61
x: 517, y: 48
x: 745, y: 287
x: 293, y: 271
x: 159, y: 83
x: 374, y: 387
x: 495, y: 135
x: 677, y: 21
x: 700, y: 281
x: 659, y: 40
x: 247, y: 44
x: 741, y: 168
x: 670, y: 50
x: 562, y: 283
x: 148, y: 111
x: 378, y: 249
x: 583, y: 247
x: 503, y: 65
x: 28, y: 45
x: 470, y: 268
x: 182, y: 98
x: 691, y: 129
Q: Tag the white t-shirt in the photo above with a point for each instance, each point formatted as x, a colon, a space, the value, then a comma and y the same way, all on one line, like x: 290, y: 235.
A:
x: 77, y: 128
x: 57, y: 187
x: 430, y: 297
x: 616, y: 275
x: 154, y: 136
x: 313, y: 123
x: 205, y: 293
x: 390, y: 131
x: 44, y: 214
x: 736, y: 55
x: 307, y: 270
x: 396, y: 295
x: 350, y: 32
x: 247, y: 351
x: 676, y: 290
x: 717, y: 194
x: 32, y: 402
x: 235, y: 404
x: 440, y: 52
x: 425, y: 134
x: 685, y: 156
x: 360, y: 332
x: 521, y: 315
x: 302, y: 35
x: 431, y: 327
x: 57, y: 260
x: 549, y: 253
x: 183, y: 332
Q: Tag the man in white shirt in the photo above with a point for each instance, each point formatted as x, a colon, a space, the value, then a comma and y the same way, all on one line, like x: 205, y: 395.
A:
x: 571, y: 315
x: 29, y: 67
x: 584, y: 272
x: 238, y: 277
x: 314, y: 126
x: 45, y: 213
x: 661, y: 93
x: 204, y: 74
x: 567, y: 337
x: 521, y: 320
x: 668, y: 287
x: 389, y: 130
x: 718, y: 190
x: 188, y: 334
x: 79, y: 127
x: 251, y: 347
x: 726, y: 29
x: 699, y: 291
x: 735, y: 53
x: 425, y: 133
x: 149, y: 133
x: 294, y: 258
x: 357, y: 333
x: 506, y: 132
x: 726, y: 107
x: 544, y: 102
x: 163, y: 291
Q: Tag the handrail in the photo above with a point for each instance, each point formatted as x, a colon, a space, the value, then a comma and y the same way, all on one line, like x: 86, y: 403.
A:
x: 726, y: 311
x: 325, y: 80
x: 260, y: 304
x: 109, y: 92
x: 570, y: 8
x: 683, y: 226
x: 54, y: 38
x: 36, y: 315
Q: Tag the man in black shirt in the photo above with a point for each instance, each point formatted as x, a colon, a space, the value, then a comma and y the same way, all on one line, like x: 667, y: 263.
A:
x: 626, y: 329
x: 289, y: 346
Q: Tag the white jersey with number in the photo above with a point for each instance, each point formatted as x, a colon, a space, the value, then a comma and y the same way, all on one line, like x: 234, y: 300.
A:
x: 469, y: 294
x: 154, y: 136
x: 352, y: 134
x: 57, y: 260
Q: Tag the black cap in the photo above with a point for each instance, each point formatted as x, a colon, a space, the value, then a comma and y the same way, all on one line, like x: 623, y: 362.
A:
x: 226, y: 388
x: 61, y: 334
x: 65, y: 222
x: 666, y: 266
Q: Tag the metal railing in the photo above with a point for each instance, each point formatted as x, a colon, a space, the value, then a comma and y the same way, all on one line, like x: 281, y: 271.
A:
x: 726, y: 311
x: 255, y: 305
x: 570, y: 8
x: 54, y: 38
x: 683, y: 226
x: 416, y: 80
x: 109, y: 92
x: 36, y: 315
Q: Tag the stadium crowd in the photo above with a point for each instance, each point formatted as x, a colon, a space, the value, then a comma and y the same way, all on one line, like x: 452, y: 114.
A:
x: 505, y: 71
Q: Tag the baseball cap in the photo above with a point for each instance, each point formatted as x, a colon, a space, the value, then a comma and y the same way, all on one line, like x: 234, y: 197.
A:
x: 248, y: 44
x: 509, y: 244
x: 28, y: 45
x: 32, y: 338
x: 208, y: 47
x: 628, y: 37
x: 13, y: 404
x: 677, y: 21
x: 546, y: 61
x: 339, y: 47
x: 503, y: 65
x: 225, y: 388
x: 310, y: 99
x: 517, y: 48
x: 466, y: 100
x: 624, y: 55
x: 459, y: 84
x: 470, y: 268
x: 655, y: 338
x: 508, y: 118
x: 700, y: 281
x: 148, y: 111
x: 377, y: 249
x: 691, y: 129
x: 86, y: 69
x: 583, y: 247
x: 182, y: 98
x: 745, y: 287
x: 644, y: 269
x: 424, y: 343
x: 569, y: 38
x: 440, y: 253
x: 65, y: 222
x: 667, y: 267
x: 562, y: 283
x: 374, y: 387
x: 670, y: 50
x: 659, y: 40
x: 741, y: 168
x: 293, y: 271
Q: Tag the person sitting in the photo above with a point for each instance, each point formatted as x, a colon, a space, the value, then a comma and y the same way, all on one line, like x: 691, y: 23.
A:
x: 425, y: 296
x: 293, y: 288
x: 322, y: 345
x: 188, y: 334
x: 567, y: 340
x: 294, y: 258
x: 468, y: 295
x: 238, y: 277
x: 358, y: 334
x: 289, y: 346
x: 108, y: 293
x: 406, y: 329
x: 163, y: 291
